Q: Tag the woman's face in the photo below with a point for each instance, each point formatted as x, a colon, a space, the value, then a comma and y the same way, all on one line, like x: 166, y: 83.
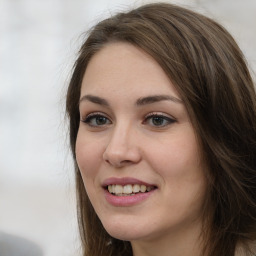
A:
x: 136, y: 148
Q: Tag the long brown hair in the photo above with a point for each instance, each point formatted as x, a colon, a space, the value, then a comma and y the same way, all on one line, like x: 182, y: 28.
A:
x: 209, y: 71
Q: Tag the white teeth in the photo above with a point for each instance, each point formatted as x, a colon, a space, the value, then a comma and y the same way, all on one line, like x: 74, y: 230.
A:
x: 136, y: 188
x: 118, y: 189
x: 128, y: 189
x: 143, y: 188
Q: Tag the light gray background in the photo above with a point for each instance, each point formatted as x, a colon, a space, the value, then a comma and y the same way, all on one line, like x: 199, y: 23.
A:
x: 38, y: 42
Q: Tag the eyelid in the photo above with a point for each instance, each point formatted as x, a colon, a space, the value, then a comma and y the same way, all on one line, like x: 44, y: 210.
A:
x: 160, y: 114
x: 92, y: 114
x: 88, y: 120
x: 169, y: 120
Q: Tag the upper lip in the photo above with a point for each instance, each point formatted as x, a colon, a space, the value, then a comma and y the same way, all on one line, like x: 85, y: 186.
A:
x: 124, y: 181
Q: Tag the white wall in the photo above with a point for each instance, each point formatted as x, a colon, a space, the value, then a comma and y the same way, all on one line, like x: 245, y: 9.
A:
x: 38, y: 41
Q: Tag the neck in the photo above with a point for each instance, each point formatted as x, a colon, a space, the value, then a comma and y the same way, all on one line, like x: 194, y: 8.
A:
x: 179, y: 243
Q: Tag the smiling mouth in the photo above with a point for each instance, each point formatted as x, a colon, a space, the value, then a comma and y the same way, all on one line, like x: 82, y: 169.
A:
x: 128, y: 190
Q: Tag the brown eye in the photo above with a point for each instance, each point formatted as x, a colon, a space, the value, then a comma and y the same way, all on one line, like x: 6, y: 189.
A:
x: 156, y: 120
x: 96, y: 120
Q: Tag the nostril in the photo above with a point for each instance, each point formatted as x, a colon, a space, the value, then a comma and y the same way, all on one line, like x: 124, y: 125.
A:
x: 122, y: 156
x: 126, y: 162
x: 117, y: 163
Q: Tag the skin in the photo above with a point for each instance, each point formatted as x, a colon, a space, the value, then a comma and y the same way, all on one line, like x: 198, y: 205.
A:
x: 118, y: 137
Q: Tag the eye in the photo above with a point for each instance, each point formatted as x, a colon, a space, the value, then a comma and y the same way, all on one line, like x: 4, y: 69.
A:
x: 96, y: 120
x: 158, y: 120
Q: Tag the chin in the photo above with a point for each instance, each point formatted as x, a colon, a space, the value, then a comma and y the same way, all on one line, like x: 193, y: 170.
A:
x: 121, y: 235
x: 125, y: 236
x: 123, y: 230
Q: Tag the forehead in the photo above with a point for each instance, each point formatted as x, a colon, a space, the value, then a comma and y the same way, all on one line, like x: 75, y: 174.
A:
x: 122, y: 66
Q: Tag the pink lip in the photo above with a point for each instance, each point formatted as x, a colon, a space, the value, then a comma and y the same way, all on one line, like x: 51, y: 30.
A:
x: 125, y: 201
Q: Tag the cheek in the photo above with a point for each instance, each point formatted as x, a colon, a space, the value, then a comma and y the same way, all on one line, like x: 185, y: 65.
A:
x: 176, y: 157
x: 88, y: 156
x: 178, y: 162
x: 183, y: 176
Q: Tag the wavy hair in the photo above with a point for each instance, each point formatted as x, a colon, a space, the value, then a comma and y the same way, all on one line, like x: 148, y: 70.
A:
x: 210, y: 73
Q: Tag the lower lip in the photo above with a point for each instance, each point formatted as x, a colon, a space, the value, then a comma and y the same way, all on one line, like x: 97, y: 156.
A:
x: 127, y: 200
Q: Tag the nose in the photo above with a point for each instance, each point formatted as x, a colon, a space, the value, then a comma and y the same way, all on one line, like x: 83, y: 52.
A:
x: 122, y: 148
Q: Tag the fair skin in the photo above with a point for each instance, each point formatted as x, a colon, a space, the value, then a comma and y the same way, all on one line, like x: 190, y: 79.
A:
x: 135, y: 131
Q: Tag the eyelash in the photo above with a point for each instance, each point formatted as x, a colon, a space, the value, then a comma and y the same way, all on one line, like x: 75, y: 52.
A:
x: 161, y: 117
x: 168, y: 120
x: 88, y: 119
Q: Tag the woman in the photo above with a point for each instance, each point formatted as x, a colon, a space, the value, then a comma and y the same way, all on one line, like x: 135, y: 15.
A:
x: 162, y: 114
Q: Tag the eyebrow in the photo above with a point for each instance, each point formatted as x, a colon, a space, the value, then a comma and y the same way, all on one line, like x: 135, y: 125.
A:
x: 94, y: 99
x: 140, y: 102
x: 156, y: 98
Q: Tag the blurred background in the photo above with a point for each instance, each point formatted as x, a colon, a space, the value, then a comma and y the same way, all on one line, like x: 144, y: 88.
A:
x: 38, y: 44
